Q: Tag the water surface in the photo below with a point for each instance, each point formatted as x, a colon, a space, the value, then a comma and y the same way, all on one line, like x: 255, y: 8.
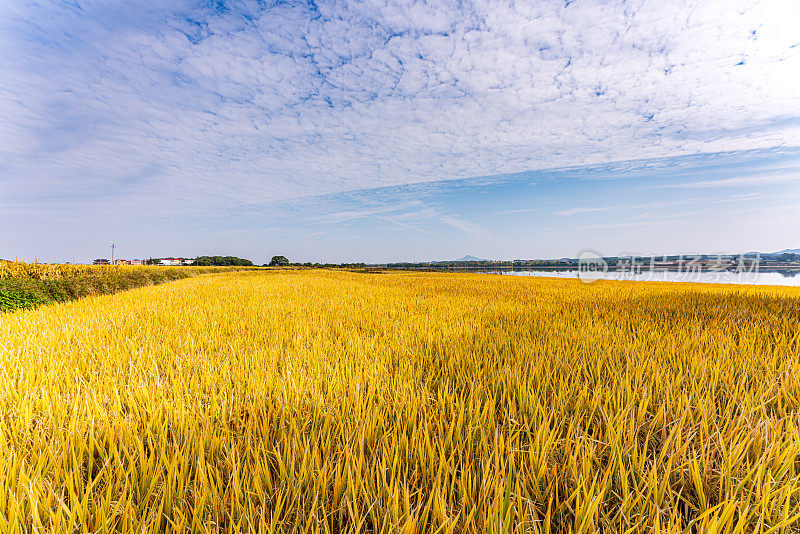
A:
x: 762, y: 278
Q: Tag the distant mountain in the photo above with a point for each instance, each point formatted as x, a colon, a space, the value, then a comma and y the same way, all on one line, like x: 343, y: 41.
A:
x: 470, y: 258
x: 465, y: 258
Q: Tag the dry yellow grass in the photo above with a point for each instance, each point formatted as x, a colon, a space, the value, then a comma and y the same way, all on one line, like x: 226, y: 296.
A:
x: 39, y: 271
x: 42, y: 271
x: 309, y: 401
x: 28, y: 285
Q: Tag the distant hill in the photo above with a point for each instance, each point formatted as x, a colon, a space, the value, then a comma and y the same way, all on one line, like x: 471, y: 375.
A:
x: 465, y: 258
x: 470, y: 258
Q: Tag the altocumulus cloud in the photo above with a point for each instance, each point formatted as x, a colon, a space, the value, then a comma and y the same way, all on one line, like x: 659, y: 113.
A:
x: 180, y: 104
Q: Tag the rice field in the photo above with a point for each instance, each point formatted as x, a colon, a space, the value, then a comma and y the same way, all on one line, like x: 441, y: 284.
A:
x: 331, y: 401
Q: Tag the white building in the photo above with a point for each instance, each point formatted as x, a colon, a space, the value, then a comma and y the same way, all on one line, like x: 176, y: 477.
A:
x: 176, y: 261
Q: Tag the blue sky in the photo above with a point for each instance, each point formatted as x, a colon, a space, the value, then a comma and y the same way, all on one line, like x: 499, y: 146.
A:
x: 382, y: 131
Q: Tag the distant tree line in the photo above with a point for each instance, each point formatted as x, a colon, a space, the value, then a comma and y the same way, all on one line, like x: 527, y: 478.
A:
x: 484, y: 264
x: 332, y: 265
x: 282, y: 261
x: 276, y: 261
x: 216, y: 261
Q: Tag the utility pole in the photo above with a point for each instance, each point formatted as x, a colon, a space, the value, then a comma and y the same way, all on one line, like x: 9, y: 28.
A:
x: 113, y: 246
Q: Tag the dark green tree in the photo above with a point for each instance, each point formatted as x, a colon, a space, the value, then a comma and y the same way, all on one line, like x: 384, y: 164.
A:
x: 222, y: 261
x: 279, y: 261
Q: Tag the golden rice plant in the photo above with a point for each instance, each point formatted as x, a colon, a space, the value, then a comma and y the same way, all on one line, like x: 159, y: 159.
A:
x: 322, y: 401
x: 38, y: 271
x: 29, y: 285
x: 43, y: 271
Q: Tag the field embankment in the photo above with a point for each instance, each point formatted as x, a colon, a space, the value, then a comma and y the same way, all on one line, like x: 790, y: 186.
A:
x: 321, y: 401
x: 28, y: 285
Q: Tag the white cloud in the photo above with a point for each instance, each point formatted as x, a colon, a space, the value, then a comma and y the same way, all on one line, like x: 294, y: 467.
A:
x: 411, y: 215
x: 473, y: 229
x: 737, y: 181
x: 175, y: 108
x: 397, y: 221
x: 575, y: 211
x: 619, y: 207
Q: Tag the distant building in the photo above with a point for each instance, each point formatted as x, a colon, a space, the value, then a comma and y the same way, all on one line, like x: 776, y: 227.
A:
x: 101, y: 261
x: 175, y: 261
x: 136, y: 262
x: 121, y: 262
